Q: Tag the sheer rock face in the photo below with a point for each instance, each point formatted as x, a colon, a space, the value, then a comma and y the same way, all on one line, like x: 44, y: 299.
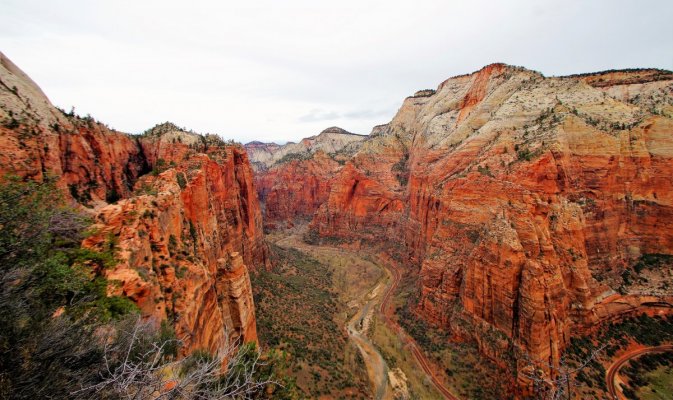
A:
x: 186, y: 233
x: 533, y: 202
x: 185, y: 249
x: 286, y: 197
x: 293, y: 180
x: 90, y: 160
x: 520, y: 198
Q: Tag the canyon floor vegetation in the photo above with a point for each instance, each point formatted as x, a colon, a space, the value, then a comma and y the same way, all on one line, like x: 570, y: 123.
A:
x: 298, y: 313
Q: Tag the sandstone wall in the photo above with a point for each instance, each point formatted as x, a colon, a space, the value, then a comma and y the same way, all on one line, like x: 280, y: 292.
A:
x: 521, y: 200
x: 181, y: 209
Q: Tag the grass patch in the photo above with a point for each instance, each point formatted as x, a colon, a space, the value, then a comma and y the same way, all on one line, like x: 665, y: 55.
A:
x: 651, y: 376
x: 296, y: 310
x: 642, y: 329
x: 659, y: 384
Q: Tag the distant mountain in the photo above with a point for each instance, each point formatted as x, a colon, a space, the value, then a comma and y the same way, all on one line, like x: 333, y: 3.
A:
x: 330, y: 140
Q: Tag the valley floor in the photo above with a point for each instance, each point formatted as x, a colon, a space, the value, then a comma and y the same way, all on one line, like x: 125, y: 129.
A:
x: 365, y: 283
x: 342, y: 313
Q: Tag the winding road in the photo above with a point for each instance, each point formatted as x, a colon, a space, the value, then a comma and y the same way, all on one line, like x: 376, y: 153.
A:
x: 411, y: 343
x: 377, y: 368
x: 612, y: 372
x: 375, y: 364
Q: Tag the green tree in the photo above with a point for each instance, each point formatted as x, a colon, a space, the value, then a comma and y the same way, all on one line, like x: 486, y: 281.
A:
x: 52, y: 294
x: 63, y: 337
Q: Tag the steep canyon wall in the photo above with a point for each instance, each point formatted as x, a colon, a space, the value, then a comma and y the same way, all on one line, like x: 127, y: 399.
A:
x: 521, y: 200
x: 180, y: 208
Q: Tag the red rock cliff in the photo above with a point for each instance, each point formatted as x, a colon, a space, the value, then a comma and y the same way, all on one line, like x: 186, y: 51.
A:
x: 185, y: 239
x: 294, y: 190
x: 187, y: 232
x: 294, y: 179
x: 522, y: 199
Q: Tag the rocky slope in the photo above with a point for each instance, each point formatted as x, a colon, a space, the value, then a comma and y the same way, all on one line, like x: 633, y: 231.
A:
x: 331, y: 141
x: 180, y: 209
x: 523, y: 201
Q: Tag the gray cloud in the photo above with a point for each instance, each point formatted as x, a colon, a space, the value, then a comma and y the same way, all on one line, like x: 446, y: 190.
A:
x: 365, y: 114
x: 251, y: 70
x: 319, y: 115
x: 368, y: 114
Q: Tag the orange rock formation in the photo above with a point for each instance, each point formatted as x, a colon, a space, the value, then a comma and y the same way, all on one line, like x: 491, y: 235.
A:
x: 521, y: 200
x: 186, y: 233
x: 287, y: 198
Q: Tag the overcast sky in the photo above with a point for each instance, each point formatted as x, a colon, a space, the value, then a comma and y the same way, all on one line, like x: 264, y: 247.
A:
x: 282, y: 70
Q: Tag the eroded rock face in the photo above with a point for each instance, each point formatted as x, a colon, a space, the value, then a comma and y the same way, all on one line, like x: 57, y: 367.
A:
x: 521, y: 199
x: 181, y: 208
x: 293, y: 180
x: 367, y: 196
x: 294, y: 190
x: 91, y: 161
x: 537, y: 205
x: 185, y: 248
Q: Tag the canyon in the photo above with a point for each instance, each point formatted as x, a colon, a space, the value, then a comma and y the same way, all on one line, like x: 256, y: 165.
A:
x: 520, y: 212
x: 295, y: 179
x: 521, y: 201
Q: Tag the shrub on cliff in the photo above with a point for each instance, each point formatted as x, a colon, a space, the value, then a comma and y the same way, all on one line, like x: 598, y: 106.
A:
x: 63, y: 337
x: 52, y: 294
x: 141, y: 364
x: 294, y: 157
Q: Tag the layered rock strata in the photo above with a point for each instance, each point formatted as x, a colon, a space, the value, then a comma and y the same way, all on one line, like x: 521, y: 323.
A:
x: 521, y: 199
x: 331, y: 141
x: 180, y: 209
x: 293, y: 180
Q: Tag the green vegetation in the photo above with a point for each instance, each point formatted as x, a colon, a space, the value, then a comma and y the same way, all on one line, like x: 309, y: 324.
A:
x: 296, y: 310
x: 485, y: 171
x: 657, y: 263
x: 294, y: 157
x: 642, y: 329
x: 659, y: 384
x: 652, y: 261
x: 63, y: 337
x: 182, y: 181
x: 82, y: 196
x: 401, y: 170
x: 11, y: 123
x: 312, y: 237
x: 172, y: 245
x: 466, y: 370
x: 112, y: 196
x: 424, y: 93
x: 651, y: 376
x: 46, y: 273
x: 146, y: 188
x: 160, y: 166
x: 524, y: 154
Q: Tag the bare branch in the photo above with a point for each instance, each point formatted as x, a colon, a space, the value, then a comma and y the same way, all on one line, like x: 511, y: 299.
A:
x: 149, y: 374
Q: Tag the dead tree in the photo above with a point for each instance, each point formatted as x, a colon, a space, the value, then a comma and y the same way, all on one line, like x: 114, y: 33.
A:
x: 137, y: 370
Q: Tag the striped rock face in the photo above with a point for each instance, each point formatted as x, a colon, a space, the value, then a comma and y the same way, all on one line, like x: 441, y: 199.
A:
x: 521, y: 200
x: 181, y: 208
